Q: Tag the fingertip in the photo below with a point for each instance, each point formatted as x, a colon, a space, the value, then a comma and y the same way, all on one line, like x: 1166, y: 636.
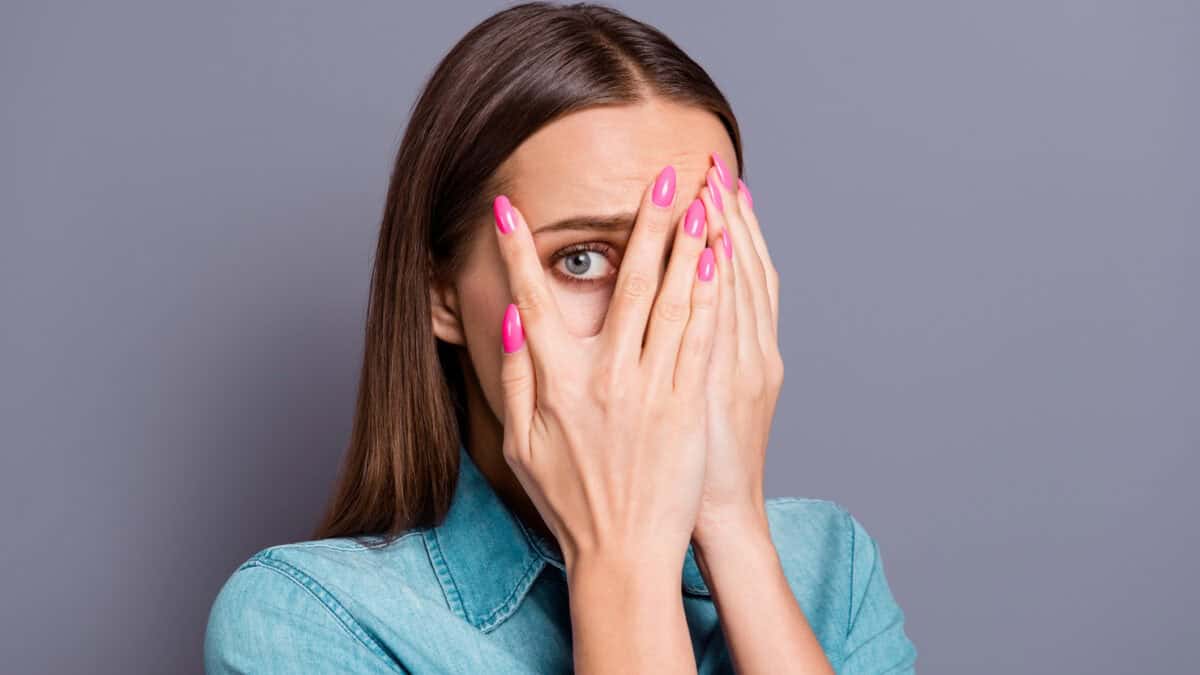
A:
x: 503, y: 212
x: 745, y: 190
x: 512, y: 335
x: 713, y: 191
x: 706, y: 267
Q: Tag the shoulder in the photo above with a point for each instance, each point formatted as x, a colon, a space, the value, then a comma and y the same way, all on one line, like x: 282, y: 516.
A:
x: 294, y: 605
x: 809, y: 527
x: 822, y: 537
x: 835, y: 569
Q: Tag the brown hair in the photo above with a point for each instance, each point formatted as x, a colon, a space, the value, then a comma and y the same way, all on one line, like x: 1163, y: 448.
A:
x: 507, y: 77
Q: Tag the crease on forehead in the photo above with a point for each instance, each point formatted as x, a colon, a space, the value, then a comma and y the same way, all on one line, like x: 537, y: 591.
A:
x: 601, y: 160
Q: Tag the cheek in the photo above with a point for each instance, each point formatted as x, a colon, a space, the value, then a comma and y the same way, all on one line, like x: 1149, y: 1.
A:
x: 583, y: 309
x: 483, y: 297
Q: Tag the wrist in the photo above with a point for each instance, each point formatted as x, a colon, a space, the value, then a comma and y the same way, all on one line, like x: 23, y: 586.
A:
x: 735, y: 552
x: 638, y: 570
x: 732, y: 526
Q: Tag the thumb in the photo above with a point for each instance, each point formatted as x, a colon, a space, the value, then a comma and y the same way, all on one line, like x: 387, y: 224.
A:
x: 517, y: 381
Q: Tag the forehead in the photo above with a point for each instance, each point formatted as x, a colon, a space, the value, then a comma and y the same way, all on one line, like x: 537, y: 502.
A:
x: 600, y: 160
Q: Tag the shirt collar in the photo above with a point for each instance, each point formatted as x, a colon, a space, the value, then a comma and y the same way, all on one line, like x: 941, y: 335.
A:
x: 486, y: 559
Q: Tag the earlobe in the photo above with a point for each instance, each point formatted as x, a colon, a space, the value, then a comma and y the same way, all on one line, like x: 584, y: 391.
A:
x: 443, y: 307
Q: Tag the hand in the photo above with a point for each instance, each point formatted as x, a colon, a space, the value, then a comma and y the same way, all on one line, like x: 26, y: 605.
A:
x: 747, y: 369
x: 607, y: 437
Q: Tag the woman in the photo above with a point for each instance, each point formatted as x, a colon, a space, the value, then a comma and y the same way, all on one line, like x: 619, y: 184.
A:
x: 570, y: 371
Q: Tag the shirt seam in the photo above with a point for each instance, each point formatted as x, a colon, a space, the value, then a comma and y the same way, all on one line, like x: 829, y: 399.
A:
x: 442, y: 569
x: 499, y: 614
x: 850, y: 603
x: 899, y: 621
x: 347, y: 546
x: 327, y: 600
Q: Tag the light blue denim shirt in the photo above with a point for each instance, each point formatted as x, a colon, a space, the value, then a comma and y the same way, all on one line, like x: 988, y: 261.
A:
x: 483, y: 593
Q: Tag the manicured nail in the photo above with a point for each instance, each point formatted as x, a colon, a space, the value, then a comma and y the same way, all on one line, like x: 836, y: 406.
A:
x: 705, y: 269
x: 506, y: 220
x: 693, y: 223
x: 727, y: 244
x: 723, y: 171
x: 664, y: 187
x: 715, y: 192
x: 512, y: 334
x: 746, y: 189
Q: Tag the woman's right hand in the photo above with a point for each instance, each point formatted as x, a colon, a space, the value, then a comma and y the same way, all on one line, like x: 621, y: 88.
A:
x: 607, y: 434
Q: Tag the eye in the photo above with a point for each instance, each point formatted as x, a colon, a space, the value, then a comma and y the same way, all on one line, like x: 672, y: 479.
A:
x: 584, y: 263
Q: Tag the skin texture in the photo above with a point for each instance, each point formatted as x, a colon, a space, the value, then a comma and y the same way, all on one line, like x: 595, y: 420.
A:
x: 713, y: 381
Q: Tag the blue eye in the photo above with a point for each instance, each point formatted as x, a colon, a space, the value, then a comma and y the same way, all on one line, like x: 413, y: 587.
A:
x: 584, y: 263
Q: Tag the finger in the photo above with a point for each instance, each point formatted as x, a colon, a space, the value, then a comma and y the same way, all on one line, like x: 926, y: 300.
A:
x: 749, y: 268
x: 691, y: 366
x: 746, y: 206
x: 671, y: 309
x: 746, y: 324
x: 637, y: 279
x: 724, y: 350
x: 518, y: 386
x: 541, y: 321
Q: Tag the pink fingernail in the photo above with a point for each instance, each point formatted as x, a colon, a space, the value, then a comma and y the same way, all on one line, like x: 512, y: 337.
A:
x: 506, y: 220
x: 723, y: 171
x: 664, y: 187
x: 706, y: 267
x: 512, y: 335
x: 727, y: 244
x: 693, y: 223
x: 715, y: 192
x: 746, y: 189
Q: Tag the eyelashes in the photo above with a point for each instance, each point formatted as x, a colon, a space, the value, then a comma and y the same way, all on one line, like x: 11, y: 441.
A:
x: 606, y: 252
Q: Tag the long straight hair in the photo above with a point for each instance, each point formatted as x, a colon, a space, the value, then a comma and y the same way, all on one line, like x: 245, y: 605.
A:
x: 515, y: 72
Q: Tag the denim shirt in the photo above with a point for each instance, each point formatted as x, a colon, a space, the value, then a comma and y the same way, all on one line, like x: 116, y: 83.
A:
x: 483, y: 593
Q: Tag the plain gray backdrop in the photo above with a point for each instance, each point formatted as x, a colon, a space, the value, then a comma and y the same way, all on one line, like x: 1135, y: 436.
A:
x: 984, y: 215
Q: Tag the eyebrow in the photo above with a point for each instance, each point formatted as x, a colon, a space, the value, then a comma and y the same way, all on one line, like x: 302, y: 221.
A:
x: 614, y: 222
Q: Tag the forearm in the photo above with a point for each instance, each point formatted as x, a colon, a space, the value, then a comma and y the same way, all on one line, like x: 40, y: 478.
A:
x: 627, y: 617
x: 765, y: 628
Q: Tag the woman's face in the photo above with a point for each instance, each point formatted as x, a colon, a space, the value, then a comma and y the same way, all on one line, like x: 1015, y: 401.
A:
x: 579, y: 182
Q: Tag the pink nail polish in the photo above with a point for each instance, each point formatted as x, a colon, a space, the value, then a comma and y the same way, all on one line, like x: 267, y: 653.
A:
x: 664, y: 187
x: 723, y: 171
x: 746, y: 189
x: 715, y: 192
x: 512, y: 335
x: 693, y: 223
x: 727, y: 244
x: 706, y: 267
x: 506, y: 220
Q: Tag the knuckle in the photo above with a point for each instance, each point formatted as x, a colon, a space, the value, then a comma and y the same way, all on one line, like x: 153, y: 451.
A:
x: 775, y: 368
x: 705, y: 299
x: 660, y: 223
x: 513, y: 454
x: 602, y: 384
x: 515, y: 379
x: 529, y: 299
x: 671, y: 310
x: 637, y: 286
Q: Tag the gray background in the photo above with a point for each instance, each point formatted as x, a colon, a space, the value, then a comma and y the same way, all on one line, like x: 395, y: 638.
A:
x: 984, y: 214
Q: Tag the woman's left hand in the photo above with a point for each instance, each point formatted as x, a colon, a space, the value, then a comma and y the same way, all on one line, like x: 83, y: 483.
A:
x: 746, y: 365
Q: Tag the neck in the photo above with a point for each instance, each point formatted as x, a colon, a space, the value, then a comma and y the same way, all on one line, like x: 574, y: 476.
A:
x: 484, y: 442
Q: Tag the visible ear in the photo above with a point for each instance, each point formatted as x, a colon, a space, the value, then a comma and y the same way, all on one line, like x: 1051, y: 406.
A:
x: 447, y: 320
